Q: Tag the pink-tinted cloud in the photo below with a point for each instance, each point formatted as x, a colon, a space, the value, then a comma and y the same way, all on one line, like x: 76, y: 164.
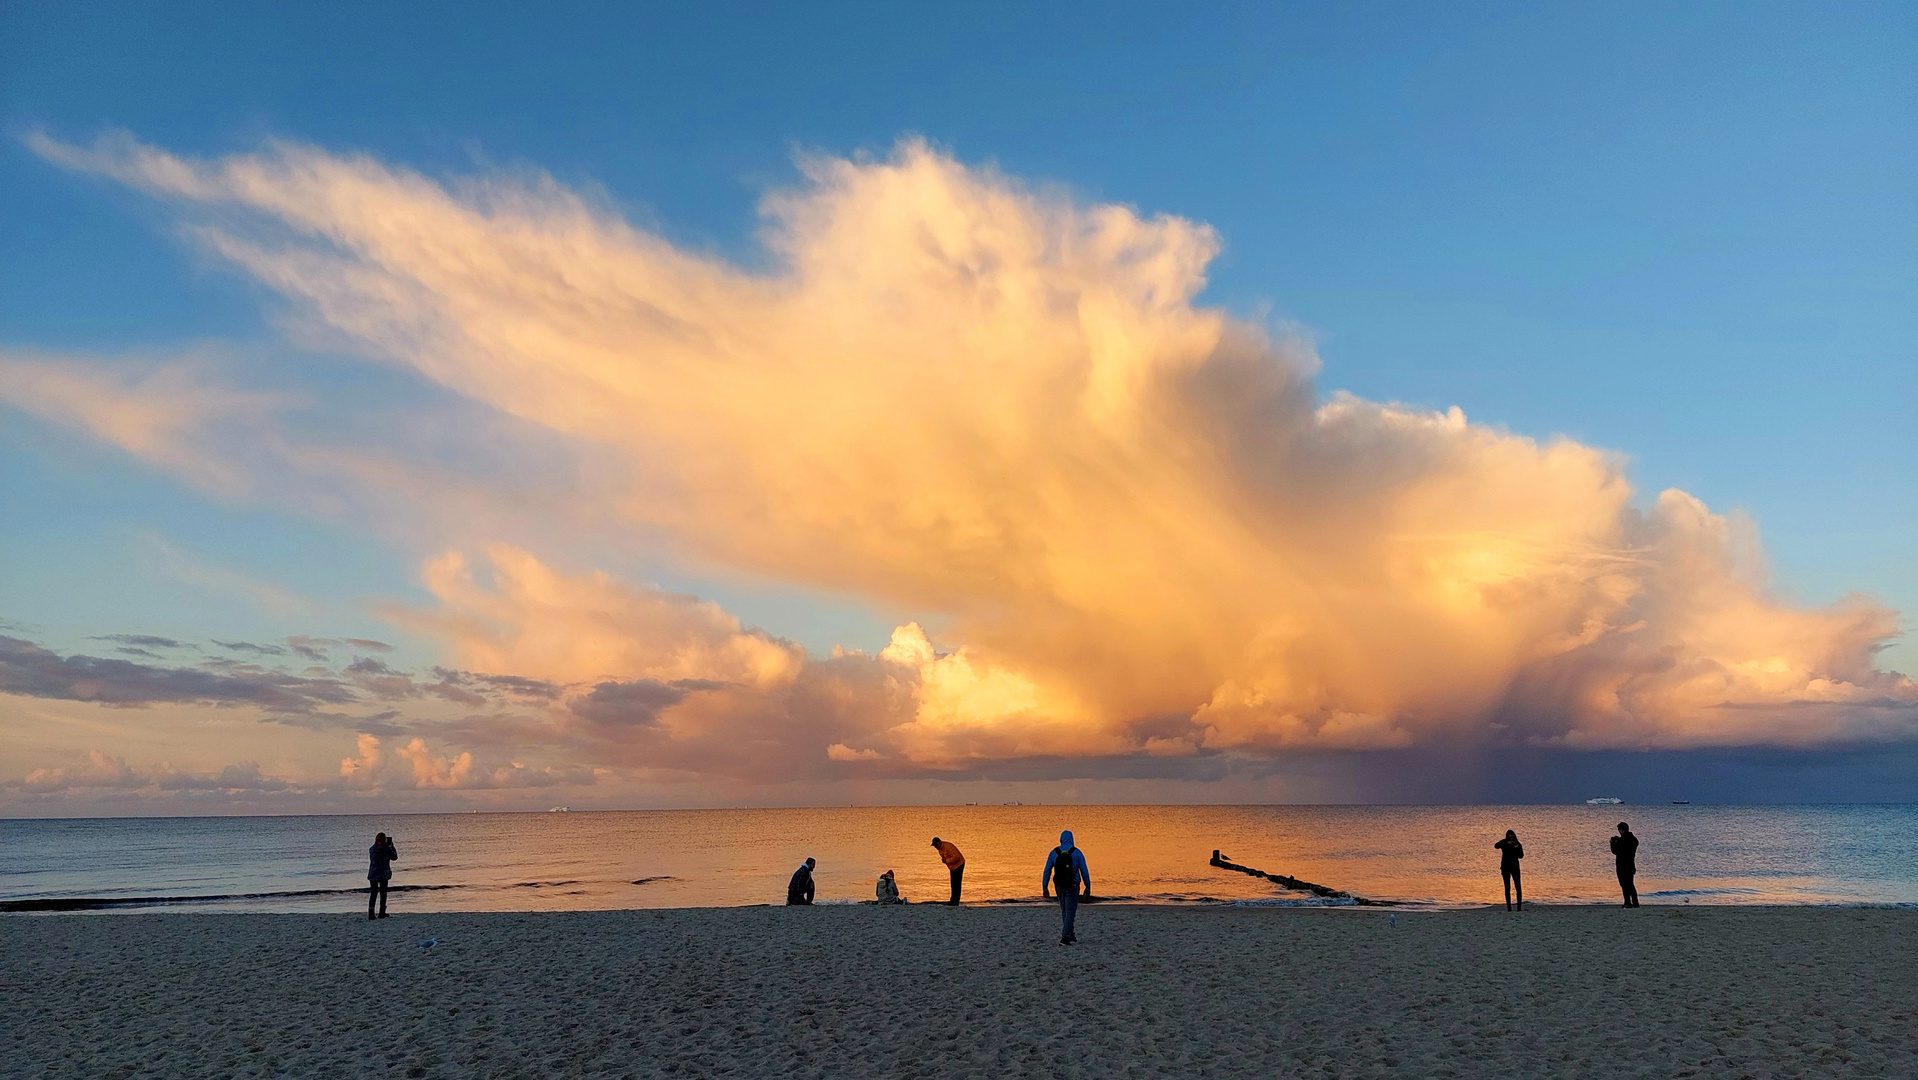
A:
x: 174, y: 415
x: 413, y: 765
x: 518, y: 617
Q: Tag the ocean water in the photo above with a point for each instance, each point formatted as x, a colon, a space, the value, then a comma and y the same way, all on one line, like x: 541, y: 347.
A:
x: 1439, y: 856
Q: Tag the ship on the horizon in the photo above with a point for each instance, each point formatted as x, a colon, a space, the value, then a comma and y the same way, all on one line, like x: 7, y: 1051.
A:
x: 1603, y: 801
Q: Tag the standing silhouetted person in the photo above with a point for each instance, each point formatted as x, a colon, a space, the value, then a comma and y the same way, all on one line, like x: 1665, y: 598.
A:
x: 799, y: 890
x: 1625, y: 853
x: 379, y: 871
x: 1510, y: 852
x: 955, y: 862
x: 1066, y: 869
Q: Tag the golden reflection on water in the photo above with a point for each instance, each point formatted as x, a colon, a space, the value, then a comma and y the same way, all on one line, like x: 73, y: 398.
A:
x: 1440, y: 855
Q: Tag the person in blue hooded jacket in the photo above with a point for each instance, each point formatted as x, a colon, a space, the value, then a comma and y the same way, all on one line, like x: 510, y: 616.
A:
x: 1066, y: 870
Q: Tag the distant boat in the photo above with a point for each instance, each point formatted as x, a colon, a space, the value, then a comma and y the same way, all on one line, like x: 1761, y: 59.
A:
x: 559, y: 809
x: 1681, y: 802
x: 1603, y: 802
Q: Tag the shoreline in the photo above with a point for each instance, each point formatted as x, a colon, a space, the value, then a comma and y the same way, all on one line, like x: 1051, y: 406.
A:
x: 231, y: 904
x: 977, y: 991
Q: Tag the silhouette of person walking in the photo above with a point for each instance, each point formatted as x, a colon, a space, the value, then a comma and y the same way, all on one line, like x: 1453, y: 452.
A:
x: 799, y: 889
x: 1510, y: 852
x: 379, y: 871
x: 1625, y: 854
x: 1066, y: 869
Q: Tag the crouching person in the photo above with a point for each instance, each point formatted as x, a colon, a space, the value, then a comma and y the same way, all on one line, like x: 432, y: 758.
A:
x: 799, y: 889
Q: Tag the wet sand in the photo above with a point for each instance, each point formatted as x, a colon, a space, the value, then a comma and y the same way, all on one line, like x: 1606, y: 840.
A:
x: 926, y: 991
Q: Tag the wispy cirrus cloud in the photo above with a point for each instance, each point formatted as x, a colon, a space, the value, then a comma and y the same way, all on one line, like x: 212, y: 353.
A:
x: 251, y: 647
x: 270, y: 597
x: 1142, y: 530
x: 174, y: 414
x: 145, y: 641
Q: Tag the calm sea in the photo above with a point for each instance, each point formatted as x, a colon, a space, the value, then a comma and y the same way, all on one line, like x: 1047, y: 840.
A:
x: 1154, y: 854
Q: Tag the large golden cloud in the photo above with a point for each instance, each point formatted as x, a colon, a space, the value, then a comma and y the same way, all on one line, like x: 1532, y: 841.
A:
x: 1137, y: 523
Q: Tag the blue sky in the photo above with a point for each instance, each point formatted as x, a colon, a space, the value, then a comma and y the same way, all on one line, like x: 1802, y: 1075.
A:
x: 1684, y: 233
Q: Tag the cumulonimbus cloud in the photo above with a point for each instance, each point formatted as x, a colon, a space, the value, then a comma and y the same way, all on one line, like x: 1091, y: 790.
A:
x: 1140, y: 526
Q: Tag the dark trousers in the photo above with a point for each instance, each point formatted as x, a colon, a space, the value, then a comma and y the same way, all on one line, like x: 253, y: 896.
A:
x: 375, y: 890
x: 1068, y: 907
x: 958, y: 874
x: 1512, y: 883
x: 1625, y: 885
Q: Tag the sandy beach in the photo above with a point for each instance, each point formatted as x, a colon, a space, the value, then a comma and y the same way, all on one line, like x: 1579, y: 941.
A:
x: 926, y: 991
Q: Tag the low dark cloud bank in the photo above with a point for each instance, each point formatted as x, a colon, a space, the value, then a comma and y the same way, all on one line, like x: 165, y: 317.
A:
x: 422, y: 734
x: 31, y: 671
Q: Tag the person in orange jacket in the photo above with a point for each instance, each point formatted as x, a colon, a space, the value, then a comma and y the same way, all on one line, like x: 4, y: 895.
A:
x: 955, y: 862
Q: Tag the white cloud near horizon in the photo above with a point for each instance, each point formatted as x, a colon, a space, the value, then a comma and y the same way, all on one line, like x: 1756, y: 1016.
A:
x: 1138, y: 526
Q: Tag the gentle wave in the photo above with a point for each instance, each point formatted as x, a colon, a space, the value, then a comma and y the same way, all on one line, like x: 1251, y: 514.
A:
x: 1729, y: 890
x: 100, y: 903
x: 103, y: 903
x: 1303, y: 901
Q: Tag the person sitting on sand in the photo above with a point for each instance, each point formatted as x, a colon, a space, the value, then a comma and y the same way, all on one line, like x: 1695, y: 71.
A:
x: 1511, y: 851
x: 955, y: 862
x: 379, y: 871
x: 888, y: 889
x: 1066, y: 868
x: 799, y: 890
x: 1625, y: 854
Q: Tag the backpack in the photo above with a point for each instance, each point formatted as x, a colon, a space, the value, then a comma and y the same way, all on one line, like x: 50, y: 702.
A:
x: 1065, y: 872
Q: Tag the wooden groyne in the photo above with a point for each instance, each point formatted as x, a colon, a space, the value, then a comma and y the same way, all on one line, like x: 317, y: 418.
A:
x: 1296, y: 884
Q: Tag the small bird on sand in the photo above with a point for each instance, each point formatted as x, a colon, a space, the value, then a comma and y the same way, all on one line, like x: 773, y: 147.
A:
x: 429, y: 943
